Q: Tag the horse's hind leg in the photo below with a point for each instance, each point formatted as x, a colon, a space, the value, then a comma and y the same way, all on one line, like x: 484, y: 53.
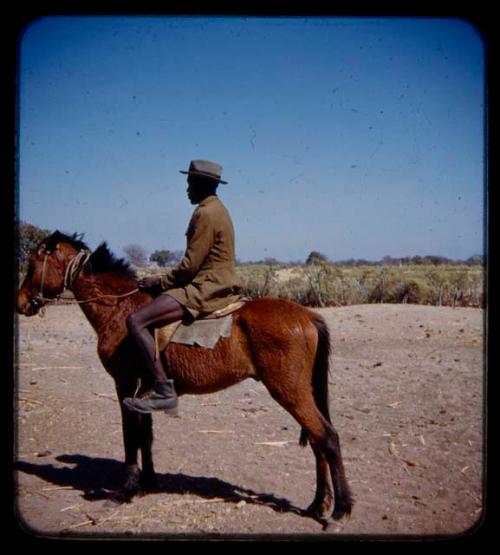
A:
x: 325, y: 438
x: 325, y: 441
x: 331, y: 448
x: 323, y: 499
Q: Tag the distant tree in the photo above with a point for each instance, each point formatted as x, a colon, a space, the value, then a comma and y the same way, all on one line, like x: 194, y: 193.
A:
x: 388, y: 260
x: 364, y: 262
x: 316, y: 257
x: 438, y: 260
x: 163, y: 257
x: 476, y: 259
x: 136, y: 254
x: 270, y: 261
x: 29, y: 236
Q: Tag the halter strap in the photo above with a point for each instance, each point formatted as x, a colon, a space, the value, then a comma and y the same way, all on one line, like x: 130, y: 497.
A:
x: 72, y: 270
x: 74, y: 266
x: 43, y: 275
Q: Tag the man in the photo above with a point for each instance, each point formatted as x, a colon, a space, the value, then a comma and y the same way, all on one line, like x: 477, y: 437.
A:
x: 204, y: 281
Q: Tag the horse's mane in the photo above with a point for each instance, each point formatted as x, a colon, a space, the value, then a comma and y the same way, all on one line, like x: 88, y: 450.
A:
x: 101, y: 261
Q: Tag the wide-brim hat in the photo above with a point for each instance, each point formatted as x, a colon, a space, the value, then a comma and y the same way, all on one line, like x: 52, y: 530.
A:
x: 205, y: 168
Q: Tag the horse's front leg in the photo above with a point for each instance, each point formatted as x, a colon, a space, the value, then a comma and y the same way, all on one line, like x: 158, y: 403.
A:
x: 149, y: 479
x: 137, y: 434
x: 130, y: 430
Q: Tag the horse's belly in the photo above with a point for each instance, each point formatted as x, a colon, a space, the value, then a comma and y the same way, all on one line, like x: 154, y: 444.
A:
x: 198, y: 370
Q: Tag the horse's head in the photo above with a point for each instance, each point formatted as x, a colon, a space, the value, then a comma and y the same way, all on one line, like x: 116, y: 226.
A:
x: 47, y: 273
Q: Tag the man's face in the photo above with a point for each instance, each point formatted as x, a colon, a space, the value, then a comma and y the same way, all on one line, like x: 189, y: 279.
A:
x: 192, y: 193
x: 198, y: 189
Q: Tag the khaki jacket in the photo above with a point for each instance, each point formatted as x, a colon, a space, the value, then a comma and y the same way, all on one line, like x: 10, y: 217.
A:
x: 205, y: 279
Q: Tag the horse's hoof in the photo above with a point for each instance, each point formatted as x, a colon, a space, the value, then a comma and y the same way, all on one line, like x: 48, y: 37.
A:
x: 131, y: 485
x: 319, y: 509
x: 315, y: 512
x: 330, y: 525
x: 341, y: 511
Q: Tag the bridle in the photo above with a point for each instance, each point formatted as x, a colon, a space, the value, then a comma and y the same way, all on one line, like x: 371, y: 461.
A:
x: 73, y: 268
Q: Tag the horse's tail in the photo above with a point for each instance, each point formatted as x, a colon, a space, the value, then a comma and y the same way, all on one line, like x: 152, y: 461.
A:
x: 320, y: 374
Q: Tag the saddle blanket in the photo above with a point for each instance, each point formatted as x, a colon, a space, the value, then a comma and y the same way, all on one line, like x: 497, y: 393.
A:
x: 204, y: 332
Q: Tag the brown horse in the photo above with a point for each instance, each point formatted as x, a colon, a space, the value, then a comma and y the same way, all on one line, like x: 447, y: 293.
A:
x: 278, y: 342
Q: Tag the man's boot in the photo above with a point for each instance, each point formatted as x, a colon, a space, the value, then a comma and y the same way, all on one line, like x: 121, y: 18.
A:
x: 161, y: 397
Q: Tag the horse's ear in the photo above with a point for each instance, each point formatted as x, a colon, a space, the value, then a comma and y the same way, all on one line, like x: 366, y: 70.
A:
x: 51, y: 243
x: 55, y: 237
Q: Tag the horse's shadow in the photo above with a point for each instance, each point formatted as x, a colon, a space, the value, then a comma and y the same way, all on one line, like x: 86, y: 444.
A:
x: 100, y: 479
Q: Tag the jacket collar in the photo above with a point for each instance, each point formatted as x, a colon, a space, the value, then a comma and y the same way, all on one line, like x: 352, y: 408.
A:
x: 208, y: 200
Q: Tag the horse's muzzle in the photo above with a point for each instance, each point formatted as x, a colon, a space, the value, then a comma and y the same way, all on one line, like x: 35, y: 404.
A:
x: 27, y: 306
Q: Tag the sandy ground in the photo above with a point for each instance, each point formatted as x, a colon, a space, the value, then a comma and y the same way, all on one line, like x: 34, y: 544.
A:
x: 406, y: 396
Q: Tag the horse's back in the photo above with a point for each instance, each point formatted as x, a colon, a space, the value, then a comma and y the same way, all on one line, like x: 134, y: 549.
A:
x: 276, y: 316
x: 267, y: 306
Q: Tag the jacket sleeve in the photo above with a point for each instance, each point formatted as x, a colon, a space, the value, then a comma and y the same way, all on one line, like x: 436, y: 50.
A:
x: 200, y: 238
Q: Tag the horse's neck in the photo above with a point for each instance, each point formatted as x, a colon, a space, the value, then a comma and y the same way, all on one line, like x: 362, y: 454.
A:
x: 102, y: 311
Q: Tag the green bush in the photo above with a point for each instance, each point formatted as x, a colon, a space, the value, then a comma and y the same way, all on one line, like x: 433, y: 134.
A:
x: 324, y: 284
x: 415, y: 291
x: 28, y: 237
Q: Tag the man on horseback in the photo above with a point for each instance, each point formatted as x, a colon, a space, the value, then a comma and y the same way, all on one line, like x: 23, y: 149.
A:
x: 203, y: 281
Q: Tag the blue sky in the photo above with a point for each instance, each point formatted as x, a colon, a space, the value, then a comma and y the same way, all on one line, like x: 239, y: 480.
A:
x: 355, y: 137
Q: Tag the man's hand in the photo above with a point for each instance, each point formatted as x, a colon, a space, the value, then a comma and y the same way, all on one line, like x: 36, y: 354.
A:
x: 149, y: 284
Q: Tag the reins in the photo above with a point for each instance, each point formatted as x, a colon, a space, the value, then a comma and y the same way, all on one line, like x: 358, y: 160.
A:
x: 73, y: 268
